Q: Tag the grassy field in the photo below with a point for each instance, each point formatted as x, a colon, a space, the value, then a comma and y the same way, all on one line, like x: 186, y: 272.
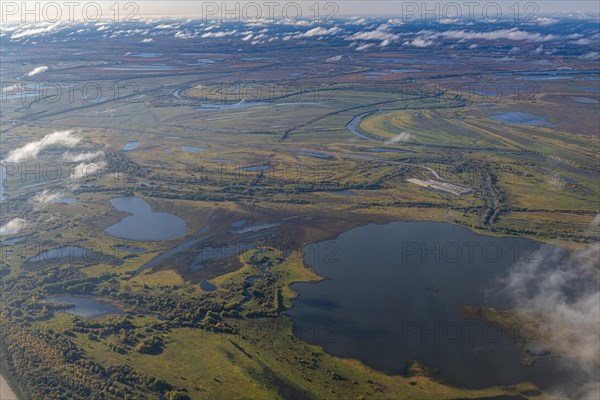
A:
x: 289, y: 161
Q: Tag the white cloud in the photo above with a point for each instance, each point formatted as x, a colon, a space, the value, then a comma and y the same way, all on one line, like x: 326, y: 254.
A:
x: 564, y: 292
x: 334, y: 59
x: 45, y: 197
x: 83, y: 157
x: 13, y: 227
x: 88, y: 170
x: 183, y: 35
x: 319, y: 31
x: 378, y: 34
x: 593, y: 56
x: 365, y: 46
x: 218, y: 34
x: 37, y: 70
x: 35, y: 31
x: 358, y: 21
x: 402, y: 137
x: 545, y: 21
x: 508, y: 34
x: 11, y: 88
x: 419, y: 42
x: 300, y: 22
x: 147, y: 40
x: 32, y: 149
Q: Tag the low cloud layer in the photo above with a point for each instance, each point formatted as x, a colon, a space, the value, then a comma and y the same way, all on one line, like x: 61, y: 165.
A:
x: 82, y: 157
x: 37, y: 70
x: 32, y: 149
x: 507, y: 34
x: 13, y: 227
x: 41, y: 30
x: 319, y: 31
x: 402, y: 137
x: 564, y: 290
x: 45, y: 197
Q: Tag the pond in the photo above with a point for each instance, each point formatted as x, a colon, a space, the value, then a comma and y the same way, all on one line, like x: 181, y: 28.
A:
x: 85, y: 307
x: 393, y: 293
x: 521, y: 118
x: 67, y: 254
x: 130, y: 146
x: 145, y: 224
x: 207, y: 286
x: 191, y: 149
x: 254, y: 168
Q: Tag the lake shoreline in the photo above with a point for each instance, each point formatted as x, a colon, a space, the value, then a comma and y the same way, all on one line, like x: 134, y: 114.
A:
x: 428, y: 288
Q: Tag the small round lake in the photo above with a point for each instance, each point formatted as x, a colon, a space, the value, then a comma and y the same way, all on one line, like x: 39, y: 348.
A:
x: 393, y: 293
x: 192, y: 149
x: 130, y: 146
x: 520, y: 118
x: 145, y: 224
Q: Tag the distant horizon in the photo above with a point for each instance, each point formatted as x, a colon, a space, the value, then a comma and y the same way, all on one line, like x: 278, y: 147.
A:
x: 42, y: 11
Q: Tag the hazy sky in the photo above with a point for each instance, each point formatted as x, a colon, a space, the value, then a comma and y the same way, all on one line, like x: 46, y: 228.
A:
x: 44, y: 10
x: 378, y: 7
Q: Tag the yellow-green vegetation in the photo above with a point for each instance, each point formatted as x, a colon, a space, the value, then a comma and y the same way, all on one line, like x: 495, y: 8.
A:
x: 260, y: 358
x: 525, y: 328
x: 287, y: 158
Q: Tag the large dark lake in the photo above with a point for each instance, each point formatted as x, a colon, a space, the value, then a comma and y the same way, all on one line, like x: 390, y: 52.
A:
x: 393, y: 293
x: 145, y: 224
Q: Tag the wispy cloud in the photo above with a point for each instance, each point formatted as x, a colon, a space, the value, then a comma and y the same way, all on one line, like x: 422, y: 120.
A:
x: 87, y: 170
x: 32, y: 149
x: 365, y: 46
x: 592, y: 56
x: 35, y: 31
x: 83, y: 157
x: 37, y: 70
x: 319, y: 31
x: 508, y: 34
x: 402, y: 137
x: 45, y: 197
x: 564, y: 291
x: 418, y: 42
x: 218, y: 34
x: 13, y: 227
x: 381, y: 33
